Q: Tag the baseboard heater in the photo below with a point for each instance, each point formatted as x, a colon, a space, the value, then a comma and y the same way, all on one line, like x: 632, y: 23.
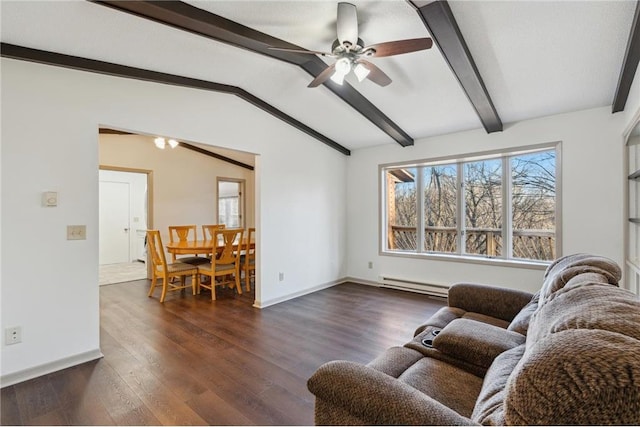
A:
x: 411, y: 285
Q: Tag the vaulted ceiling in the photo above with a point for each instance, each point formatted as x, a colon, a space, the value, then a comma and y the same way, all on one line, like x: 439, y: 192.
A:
x: 493, y: 62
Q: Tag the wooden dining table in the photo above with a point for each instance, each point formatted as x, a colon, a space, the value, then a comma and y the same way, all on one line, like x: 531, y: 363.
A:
x: 199, y: 247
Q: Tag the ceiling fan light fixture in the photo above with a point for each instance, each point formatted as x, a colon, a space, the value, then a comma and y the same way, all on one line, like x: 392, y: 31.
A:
x: 342, y: 67
x: 361, y: 72
x: 338, y: 78
x: 160, y: 143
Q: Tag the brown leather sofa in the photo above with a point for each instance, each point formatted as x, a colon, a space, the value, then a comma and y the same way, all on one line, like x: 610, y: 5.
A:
x: 570, y: 354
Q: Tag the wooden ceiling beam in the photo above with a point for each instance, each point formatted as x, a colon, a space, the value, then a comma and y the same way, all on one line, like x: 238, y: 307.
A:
x: 108, y: 131
x: 629, y: 65
x: 183, y: 16
x: 117, y: 70
x: 441, y: 24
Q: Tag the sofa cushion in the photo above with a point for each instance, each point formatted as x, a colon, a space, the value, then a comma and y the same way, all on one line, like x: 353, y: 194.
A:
x: 576, y: 377
x: 489, y: 409
x: 475, y: 342
x: 489, y: 320
x: 582, y: 358
x: 587, y: 304
x: 395, y: 360
x: 365, y: 396
x: 451, y: 386
x: 490, y: 301
x: 563, y: 269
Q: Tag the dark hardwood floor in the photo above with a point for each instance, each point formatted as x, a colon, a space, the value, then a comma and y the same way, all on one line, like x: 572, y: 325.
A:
x: 193, y: 361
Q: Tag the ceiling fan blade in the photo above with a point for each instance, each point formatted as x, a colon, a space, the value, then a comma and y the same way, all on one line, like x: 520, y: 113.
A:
x: 398, y: 47
x: 347, y: 24
x: 323, y: 76
x: 376, y: 75
x: 311, y: 52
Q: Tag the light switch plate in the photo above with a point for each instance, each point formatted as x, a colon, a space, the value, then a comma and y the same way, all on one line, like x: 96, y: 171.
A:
x: 76, y: 232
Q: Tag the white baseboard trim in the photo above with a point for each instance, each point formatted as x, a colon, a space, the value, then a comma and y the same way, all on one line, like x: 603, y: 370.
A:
x: 47, y: 368
x: 258, y: 304
x: 382, y: 285
x: 264, y: 304
x: 362, y: 281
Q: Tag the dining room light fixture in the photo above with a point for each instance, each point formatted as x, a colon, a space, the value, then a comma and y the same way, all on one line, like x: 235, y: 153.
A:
x: 161, y: 143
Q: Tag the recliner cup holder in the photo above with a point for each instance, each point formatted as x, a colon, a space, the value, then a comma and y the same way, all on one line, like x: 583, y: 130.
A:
x: 428, y: 340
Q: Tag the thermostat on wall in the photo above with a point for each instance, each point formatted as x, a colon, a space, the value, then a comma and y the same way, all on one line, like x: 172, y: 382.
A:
x: 50, y: 199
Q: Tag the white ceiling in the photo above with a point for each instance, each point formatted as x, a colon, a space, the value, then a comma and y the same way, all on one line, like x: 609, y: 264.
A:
x: 536, y: 58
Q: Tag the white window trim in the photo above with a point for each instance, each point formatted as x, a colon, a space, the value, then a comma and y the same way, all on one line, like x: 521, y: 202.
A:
x: 505, y: 154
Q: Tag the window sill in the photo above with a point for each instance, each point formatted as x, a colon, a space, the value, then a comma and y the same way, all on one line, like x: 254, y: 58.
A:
x: 470, y: 259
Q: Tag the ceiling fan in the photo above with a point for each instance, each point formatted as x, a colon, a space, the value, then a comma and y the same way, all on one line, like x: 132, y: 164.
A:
x: 351, y: 51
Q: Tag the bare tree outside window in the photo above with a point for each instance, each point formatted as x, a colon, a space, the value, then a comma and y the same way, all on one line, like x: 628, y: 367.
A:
x: 531, y: 206
x: 440, y: 201
x: 534, y: 205
x: 483, y: 207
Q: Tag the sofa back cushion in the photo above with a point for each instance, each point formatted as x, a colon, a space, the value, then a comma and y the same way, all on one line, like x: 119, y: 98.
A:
x: 576, y: 377
x: 587, y: 303
x: 520, y: 323
x: 565, y: 268
x: 582, y: 359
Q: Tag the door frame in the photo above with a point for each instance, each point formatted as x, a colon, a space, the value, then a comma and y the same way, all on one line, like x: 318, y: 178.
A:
x: 149, y: 174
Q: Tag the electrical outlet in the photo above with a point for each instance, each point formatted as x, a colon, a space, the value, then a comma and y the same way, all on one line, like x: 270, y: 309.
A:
x: 370, y: 264
x: 281, y: 276
x: 13, y: 335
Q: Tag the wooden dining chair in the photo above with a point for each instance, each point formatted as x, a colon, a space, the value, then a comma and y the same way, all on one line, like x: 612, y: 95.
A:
x: 248, y: 260
x: 160, y: 269
x: 224, y: 270
x: 209, y: 230
x: 183, y: 233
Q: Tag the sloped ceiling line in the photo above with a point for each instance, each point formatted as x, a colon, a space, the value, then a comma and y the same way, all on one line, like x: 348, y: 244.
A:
x: 117, y: 70
x: 441, y: 24
x: 108, y: 131
x: 629, y: 64
x: 197, y: 21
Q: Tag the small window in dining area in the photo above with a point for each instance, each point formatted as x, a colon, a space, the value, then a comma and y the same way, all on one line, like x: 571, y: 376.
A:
x: 231, y: 202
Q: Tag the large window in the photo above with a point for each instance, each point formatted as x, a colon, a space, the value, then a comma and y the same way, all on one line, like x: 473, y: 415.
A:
x: 497, y: 206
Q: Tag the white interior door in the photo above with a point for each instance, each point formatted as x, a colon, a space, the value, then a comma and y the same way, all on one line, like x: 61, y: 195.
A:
x: 114, y: 222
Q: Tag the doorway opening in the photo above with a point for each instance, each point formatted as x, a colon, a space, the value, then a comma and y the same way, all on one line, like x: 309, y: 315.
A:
x: 123, y: 221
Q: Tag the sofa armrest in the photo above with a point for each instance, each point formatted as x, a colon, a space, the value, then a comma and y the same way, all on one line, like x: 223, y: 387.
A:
x: 376, y: 398
x: 494, y: 301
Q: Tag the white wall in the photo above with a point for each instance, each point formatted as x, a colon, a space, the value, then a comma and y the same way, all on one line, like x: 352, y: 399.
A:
x: 592, y: 196
x: 50, y: 120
